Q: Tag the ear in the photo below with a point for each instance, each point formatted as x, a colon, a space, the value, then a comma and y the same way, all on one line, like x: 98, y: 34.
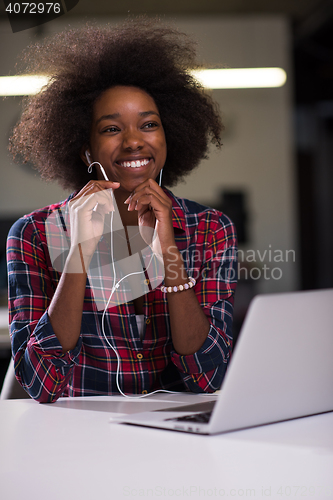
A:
x: 84, y: 153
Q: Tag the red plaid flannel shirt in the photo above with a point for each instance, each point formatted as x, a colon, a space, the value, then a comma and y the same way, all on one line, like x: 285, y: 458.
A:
x: 206, y: 238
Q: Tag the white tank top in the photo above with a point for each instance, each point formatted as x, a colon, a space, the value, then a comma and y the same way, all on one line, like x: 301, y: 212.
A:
x: 140, y: 322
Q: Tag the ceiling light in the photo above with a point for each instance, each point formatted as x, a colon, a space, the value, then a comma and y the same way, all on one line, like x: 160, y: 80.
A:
x: 241, y: 78
x: 22, y: 85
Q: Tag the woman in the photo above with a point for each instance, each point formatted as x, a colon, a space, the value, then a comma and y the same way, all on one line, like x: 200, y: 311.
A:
x: 122, y: 106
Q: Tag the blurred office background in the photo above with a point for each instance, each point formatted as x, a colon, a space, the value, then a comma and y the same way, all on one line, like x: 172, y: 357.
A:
x: 274, y: 174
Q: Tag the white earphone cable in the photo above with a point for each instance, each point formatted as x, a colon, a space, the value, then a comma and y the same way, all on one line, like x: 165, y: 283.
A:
x: 115, y: 286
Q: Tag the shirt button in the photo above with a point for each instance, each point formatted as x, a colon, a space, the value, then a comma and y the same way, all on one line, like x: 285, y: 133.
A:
x: 144, y: 391
x: 139, y: 355
x: 147, y: 321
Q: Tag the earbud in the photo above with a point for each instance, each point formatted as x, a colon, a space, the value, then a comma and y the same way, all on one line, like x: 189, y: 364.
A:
x: 88, y: 156
x: 160, y: 179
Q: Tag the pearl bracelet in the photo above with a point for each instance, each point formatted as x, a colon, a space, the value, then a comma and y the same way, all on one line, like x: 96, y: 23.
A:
x: 179, y: 288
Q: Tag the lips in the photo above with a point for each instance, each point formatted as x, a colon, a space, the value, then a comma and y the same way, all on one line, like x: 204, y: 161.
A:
x: 134, y: 163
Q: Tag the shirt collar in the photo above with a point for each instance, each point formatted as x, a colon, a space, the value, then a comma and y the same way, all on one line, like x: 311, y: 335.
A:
x: 178, y: 214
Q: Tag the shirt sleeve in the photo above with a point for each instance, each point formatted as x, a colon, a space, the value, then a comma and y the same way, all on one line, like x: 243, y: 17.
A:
x: 40, y: 366
x: 216, y: 275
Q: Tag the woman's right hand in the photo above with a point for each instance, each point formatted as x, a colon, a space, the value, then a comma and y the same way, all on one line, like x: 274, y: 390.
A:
x: 87, y: 212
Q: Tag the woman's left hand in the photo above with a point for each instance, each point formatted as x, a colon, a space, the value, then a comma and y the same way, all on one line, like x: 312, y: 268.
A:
x: 154, y: 212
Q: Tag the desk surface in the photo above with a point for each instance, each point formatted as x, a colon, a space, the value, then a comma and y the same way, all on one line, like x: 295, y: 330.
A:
x: 69, y: 450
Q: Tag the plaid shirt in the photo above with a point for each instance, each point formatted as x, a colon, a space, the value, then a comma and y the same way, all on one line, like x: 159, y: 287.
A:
x: 206, y: 239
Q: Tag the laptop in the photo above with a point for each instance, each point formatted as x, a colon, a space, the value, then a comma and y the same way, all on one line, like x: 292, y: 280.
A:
x: 281, y: 369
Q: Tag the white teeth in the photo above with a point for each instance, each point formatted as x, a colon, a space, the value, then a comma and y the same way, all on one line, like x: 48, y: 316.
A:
x: 135, y: 164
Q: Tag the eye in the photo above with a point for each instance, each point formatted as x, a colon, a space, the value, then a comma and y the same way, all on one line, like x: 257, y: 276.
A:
x: 149, y: 125
x: 111, y: 129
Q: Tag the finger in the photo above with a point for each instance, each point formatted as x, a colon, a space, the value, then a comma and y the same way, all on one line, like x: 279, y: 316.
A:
x: 147, y: 196
x: 94, y: 186
x: 152, y: 184
x: 148, y: 202
x: 152, y: 202
x: 103, y: 199
x: 149, y: 184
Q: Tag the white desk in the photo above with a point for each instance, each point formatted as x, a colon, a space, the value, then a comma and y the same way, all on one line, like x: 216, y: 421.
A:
x: 69, y: 450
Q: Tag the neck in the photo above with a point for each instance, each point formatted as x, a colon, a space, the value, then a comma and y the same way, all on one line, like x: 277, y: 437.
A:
x: 127, y: 218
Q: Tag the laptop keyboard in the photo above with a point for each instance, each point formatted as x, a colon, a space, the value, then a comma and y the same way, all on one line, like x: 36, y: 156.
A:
x: 202, y: 418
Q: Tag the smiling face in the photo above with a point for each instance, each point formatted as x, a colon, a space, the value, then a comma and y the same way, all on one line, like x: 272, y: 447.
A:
x: 127, y: 136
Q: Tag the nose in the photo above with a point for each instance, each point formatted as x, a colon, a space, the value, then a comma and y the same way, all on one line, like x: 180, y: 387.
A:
x: 132, y: 139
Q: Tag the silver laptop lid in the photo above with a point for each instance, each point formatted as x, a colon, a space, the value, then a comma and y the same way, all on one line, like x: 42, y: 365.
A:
x: 282, y: 366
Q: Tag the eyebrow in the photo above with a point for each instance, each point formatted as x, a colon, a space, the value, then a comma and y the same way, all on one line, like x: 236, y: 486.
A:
x: 147, y: 113
x: 114, y: 116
